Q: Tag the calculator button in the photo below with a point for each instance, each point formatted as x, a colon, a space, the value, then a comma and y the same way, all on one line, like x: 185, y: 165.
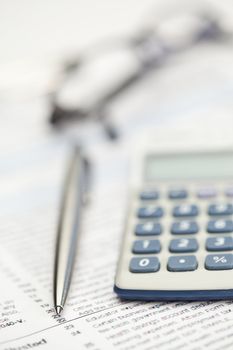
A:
x: 150, y: 212
x: 146, y: 246
x: 184, y: 227
x: 206, y: 192
x: 182, y: 263
x: 220, y: 226
x: 185, y: 210
x: 183, y: 245
x: 149, y: 195
x: 219, y: 262
x: 148, y: 229
x: 220, y: 209
x: 178, y: 194
x: 219, y: 243
x: 229, y: 192
x: 144, y: 264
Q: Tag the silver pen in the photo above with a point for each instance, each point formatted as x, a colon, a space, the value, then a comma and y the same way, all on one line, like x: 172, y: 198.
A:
x: 73, y: 200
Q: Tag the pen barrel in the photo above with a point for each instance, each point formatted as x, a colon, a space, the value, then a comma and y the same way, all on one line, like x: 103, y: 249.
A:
x: 69, y: 227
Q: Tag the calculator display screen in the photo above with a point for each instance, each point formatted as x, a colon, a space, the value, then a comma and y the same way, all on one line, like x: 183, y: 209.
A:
x: 188, y: 166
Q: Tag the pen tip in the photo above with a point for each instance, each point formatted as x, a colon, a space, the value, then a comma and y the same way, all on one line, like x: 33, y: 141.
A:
x: 58, y: 309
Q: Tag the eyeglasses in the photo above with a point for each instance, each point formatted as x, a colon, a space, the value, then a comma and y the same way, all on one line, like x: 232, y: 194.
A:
x: 89, y: 83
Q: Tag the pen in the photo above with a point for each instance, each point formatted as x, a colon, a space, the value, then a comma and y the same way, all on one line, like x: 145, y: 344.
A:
x: 73, y: 200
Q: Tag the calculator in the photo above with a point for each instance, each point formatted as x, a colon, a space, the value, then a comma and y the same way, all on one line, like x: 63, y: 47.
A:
x: 178, y: 242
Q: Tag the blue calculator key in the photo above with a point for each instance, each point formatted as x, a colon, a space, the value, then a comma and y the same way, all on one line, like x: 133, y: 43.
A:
x: 219, y: 243
x: 149, y: 195
x: 150, y: 212
x: 183, y: 245
x: 182, y: 263
x: 229, y: 191
x: 206, y: 192
x: 185, y: 210
x: 220, y: 209
x: 144, y: 264
x: 146, y: 246
x: 178, y: 194
x: 220, y: 226
x: 184, y: 227
x: 148, y: 229
x: 219, y: 262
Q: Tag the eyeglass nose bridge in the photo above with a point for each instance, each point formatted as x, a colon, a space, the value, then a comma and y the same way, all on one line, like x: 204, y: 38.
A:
x: 60, y: 115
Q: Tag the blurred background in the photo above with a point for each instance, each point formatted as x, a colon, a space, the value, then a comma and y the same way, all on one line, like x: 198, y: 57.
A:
x: 120, y: 69
x: 191, y: 70
x: 126, y: 68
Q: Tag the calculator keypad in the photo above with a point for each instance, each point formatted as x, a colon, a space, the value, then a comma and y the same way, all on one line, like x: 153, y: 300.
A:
x: 149, y: 195
x: 206, y: 193
x: 150, y: 212
x: 148, y: 229
x: 182, y: 263
x: 183, y: 245
x: 219, y: 243
x: 144, y: 264
x: 178, y: 194
x: 229, y: 191
x: 220, y: 209
x: 184, y: 227
x: 177, y: 212
x: 219, y: 262
x: 146, y: 246
x: 185, y: 210
x: 220, y: 226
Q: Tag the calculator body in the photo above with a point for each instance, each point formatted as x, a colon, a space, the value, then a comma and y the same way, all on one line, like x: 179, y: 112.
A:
x: 178, y: 243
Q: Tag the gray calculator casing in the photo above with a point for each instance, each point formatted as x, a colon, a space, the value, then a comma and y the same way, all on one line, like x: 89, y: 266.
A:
x: 200, y: 284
